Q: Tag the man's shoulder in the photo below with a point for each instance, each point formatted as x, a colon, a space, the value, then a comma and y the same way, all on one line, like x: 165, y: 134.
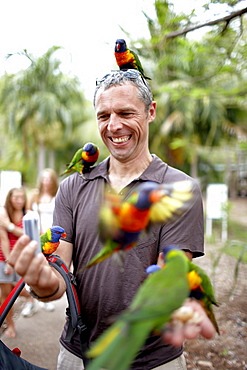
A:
x: 76, y: 180
x: 162, y: 172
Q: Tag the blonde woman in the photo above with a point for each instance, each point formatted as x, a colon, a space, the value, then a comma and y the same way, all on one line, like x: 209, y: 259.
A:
x: 11, y: 228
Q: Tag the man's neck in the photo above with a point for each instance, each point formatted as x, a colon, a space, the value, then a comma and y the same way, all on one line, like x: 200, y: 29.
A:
x: 121, y: 174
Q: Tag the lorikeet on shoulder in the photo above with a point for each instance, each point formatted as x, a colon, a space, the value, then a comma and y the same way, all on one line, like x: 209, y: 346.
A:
x: 83, y: 159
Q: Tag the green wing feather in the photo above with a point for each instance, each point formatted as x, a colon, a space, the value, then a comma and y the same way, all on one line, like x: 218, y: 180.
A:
x: 208, y: 298
x: 44, y: 238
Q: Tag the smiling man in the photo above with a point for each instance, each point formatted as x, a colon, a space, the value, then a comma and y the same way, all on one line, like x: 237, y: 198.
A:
x: 123, y: 120
x: 124, y: 109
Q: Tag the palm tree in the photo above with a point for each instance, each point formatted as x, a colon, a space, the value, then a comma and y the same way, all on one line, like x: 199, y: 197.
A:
x: 43, y: 105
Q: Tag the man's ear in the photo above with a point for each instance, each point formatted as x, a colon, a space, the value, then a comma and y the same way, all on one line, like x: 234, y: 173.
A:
x: 152, y: 112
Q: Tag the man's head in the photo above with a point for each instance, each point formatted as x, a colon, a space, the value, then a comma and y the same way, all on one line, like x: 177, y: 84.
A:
x: 131, y: 76
x: 124, y: 108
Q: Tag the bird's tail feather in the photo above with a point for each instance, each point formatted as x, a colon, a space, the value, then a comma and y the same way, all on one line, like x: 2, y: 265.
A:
x: 119, y: 345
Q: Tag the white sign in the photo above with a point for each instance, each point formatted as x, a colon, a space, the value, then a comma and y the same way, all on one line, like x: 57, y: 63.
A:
x: 216, y: 201
x: 8, y: 180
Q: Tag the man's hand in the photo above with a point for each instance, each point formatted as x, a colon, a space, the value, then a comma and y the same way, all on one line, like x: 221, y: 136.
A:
x: 198, y: 324
x: 35, y: 269
x: 177, y: 331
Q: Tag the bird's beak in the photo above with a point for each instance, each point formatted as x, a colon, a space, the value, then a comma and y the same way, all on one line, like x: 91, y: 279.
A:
x: 63, y: 235
x: 118, y: 46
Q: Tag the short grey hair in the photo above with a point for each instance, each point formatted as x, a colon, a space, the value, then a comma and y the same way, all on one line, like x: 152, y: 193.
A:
x: 120, y: 78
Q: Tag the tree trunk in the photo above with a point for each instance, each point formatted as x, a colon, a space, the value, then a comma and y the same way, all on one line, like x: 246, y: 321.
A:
x: 41, y: 157
x: 193, y: 166
x: 51, y: 159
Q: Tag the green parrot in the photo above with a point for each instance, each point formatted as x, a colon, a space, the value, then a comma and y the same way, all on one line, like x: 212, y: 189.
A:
x: 158, y: 297
x: 50, y: 240
x: 83, y: 159
x: 127, y: 59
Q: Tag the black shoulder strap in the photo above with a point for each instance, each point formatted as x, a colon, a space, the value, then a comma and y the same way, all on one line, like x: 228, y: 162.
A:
x: 73, y: 311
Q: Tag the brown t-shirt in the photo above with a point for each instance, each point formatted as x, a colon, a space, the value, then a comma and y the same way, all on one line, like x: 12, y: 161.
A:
x: 105, y: 290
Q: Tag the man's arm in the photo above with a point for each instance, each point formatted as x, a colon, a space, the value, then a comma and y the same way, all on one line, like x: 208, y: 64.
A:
x: 36, y: 271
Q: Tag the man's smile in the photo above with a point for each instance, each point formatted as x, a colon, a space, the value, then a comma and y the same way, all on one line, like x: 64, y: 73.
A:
x: 122, y: 139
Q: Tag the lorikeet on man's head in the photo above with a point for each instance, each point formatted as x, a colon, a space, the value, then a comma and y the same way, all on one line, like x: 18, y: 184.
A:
x: 83, y: 159
x: 127, y: 59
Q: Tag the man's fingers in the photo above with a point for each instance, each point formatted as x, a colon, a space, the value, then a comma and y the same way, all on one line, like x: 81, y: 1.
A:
x: 18, y: 248
x: 178, y: 330
x: 24, y: 260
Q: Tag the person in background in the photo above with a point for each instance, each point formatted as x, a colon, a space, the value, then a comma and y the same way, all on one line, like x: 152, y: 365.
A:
x: 42, y: 200
x: 11, y: 228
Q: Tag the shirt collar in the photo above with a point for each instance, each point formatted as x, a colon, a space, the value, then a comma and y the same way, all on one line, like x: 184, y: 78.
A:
x: 154, y: 172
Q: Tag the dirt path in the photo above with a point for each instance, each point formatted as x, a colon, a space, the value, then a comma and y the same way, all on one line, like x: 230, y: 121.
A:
x: 229, y: 350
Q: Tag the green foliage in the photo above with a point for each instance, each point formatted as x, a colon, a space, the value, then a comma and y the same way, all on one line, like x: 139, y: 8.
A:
x: 235, y: 247
x: 199, y: 86
x: 41, y: 108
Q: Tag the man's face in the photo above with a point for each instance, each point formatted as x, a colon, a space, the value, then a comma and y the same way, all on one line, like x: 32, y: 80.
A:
x: 123, y: 121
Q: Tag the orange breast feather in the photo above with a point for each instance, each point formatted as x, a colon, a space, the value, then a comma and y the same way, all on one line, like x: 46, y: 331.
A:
x: 132, y: 219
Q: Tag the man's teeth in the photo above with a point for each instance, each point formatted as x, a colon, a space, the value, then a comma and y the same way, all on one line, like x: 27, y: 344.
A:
x: 120, y: 139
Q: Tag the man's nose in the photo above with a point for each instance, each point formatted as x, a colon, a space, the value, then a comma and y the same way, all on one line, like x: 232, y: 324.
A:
x: 114, y: 123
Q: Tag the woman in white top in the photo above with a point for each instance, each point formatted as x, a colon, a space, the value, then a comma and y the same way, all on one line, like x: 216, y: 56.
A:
x: 42, y: 200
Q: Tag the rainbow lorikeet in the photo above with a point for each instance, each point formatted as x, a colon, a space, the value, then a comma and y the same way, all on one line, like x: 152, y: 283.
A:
x: 83, y: 159
x: 157, y: 298
x: 200, y: 287
x: 127, y: 59
x: 50, y: 240
x: 203, y: 291
x: 121, y: 222
x: 155, y: 304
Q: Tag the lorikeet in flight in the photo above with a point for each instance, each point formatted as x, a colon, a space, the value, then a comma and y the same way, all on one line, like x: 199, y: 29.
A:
x: 127, y: 59
x: 121, y: 222
x: 83, y: 159
x: 50, y: 240
x: 158, y: 298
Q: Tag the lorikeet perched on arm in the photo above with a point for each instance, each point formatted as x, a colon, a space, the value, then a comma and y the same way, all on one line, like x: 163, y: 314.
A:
x: 122, y: 221
x: 83, y: 159
x: 127, y: 59
x: 159, y: 297
x: 200, y: 287
x: 203, y: 292
x: 50, y: 240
